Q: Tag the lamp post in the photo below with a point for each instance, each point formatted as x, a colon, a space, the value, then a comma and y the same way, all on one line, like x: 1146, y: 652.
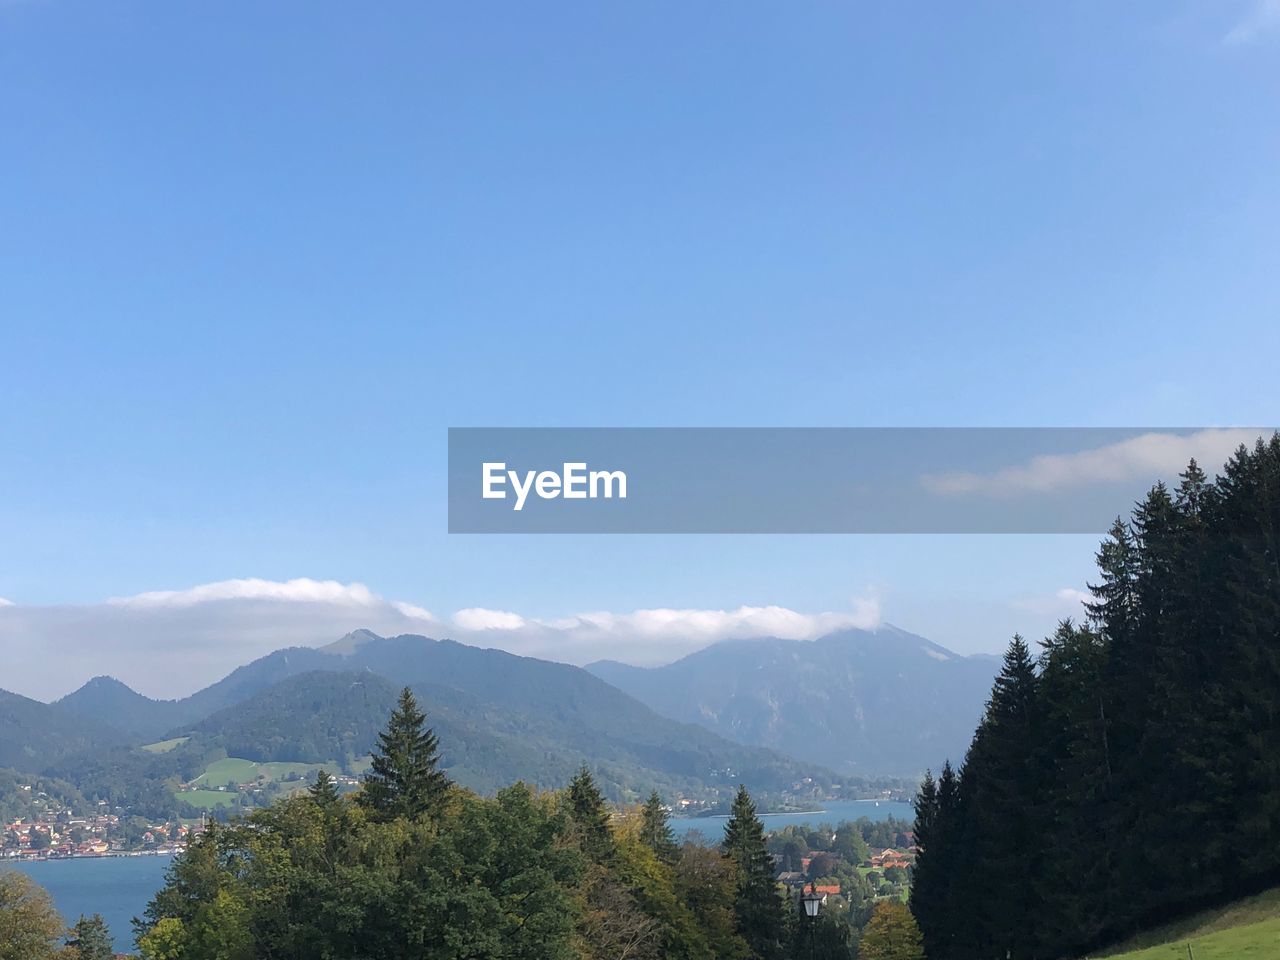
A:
x: 812, y: 903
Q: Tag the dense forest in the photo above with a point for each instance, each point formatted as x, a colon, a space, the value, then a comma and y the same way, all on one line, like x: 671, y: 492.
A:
x: 1129, y: 771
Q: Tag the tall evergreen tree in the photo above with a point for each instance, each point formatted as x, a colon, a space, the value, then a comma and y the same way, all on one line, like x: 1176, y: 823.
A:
x: 934, y: 869
x: 403, y: 780
x: 90, y: 939
x: 1075, y: 885
x: 655, y: 829
x: 1114, y: 608
x: 325, y: 790
x: 999, y: 786
x: 590, y: 816
x: 759, y: 908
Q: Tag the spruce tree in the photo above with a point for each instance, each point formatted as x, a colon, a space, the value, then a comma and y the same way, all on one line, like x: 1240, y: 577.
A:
x: 590, y: 816
x: 90, y: 939
x: 1075, y: 884
x: 403, y: 780
x: 655, y: 829
x: 930, y: 876
x: 325, y: 790
x: 759, y: 909
x: 1000, y: 787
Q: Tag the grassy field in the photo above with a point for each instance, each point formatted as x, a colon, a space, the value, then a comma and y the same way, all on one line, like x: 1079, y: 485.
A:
x: 208, y: 798
x: 234, y: 770
x: 1247, y: 930
x: 164, y: 746
x: 230, y: 770
x: 279, y: 771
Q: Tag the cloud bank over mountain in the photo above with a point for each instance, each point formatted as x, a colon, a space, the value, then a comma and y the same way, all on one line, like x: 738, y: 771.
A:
x: 168, y: 643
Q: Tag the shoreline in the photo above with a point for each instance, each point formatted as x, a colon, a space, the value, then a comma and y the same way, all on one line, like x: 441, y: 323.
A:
x: 115, y: 855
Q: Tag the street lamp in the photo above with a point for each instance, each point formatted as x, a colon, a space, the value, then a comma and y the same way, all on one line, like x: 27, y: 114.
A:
x: 812, y: 902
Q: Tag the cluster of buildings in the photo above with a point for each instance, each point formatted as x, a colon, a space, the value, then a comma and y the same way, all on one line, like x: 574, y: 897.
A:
x: 102, y: 835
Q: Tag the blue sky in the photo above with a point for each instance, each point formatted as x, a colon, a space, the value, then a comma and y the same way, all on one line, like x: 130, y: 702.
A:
x: 256, y: 258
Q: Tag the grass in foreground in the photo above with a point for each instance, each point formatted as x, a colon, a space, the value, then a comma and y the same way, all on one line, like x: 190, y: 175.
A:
x: 1246, y: 930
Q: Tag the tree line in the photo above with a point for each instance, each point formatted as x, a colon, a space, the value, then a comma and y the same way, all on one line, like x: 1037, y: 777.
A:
x: 1129, y: 771
x: 413, y: 866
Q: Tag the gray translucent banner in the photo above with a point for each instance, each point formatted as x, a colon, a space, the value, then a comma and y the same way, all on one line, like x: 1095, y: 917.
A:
x: 816, y: 480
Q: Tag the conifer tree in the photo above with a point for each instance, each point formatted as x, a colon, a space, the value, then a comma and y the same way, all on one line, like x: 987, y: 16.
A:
x: 1000, y: 784
x: 931, y: 877
x: 90, y: 939
x: 655, y: 829
x: 403, y: 780
x: 325, y: 790
x: 759, y: 908
x: 1075, y: 885
x: 590, y: 816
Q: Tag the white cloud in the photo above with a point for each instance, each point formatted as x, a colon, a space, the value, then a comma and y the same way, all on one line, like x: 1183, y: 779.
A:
x: 6, y: 603
x: 478, y: 618
x: 712, y: 625
x: 300, y: 590
x: 1262, y: 19
x: 412, y: 611
x: 170, y: 643
x: 650, y: 636
x: 1144, y: 457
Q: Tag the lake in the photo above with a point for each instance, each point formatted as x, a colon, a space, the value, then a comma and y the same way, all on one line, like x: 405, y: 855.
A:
x: 120, y: 887
x: 832, y: 812
x: 116, y: 887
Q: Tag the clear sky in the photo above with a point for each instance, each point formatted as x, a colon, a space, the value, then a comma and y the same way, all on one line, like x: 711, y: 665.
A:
x: 256, y: 258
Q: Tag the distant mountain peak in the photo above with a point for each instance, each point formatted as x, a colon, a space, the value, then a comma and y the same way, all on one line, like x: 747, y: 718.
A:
x: 102, y: 685
x: 840, y: 699
x: 349, y: 644
x: 105, y: 680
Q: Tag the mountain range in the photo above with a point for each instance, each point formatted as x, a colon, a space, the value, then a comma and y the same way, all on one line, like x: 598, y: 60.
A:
x: 860, y: 701
x: 770, y: 713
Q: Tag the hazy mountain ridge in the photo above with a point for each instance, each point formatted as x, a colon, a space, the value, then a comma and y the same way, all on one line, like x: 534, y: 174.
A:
x: 500, y: 717
x: 884, y: 701
x: 767, y: 712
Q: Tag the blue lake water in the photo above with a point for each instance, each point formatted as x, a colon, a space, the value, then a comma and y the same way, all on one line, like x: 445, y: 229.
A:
x: 120, y: 887
x: 712, y: 828
x: 116, y: 887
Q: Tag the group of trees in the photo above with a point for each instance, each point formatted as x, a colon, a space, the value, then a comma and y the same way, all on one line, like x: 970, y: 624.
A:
x: 30, y: 928
x: 836, y: 855
x: 1131, y: 771
x: 412, y: 866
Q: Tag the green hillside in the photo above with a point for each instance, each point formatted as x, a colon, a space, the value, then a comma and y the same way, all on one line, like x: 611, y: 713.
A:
x: 1247, y: 930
